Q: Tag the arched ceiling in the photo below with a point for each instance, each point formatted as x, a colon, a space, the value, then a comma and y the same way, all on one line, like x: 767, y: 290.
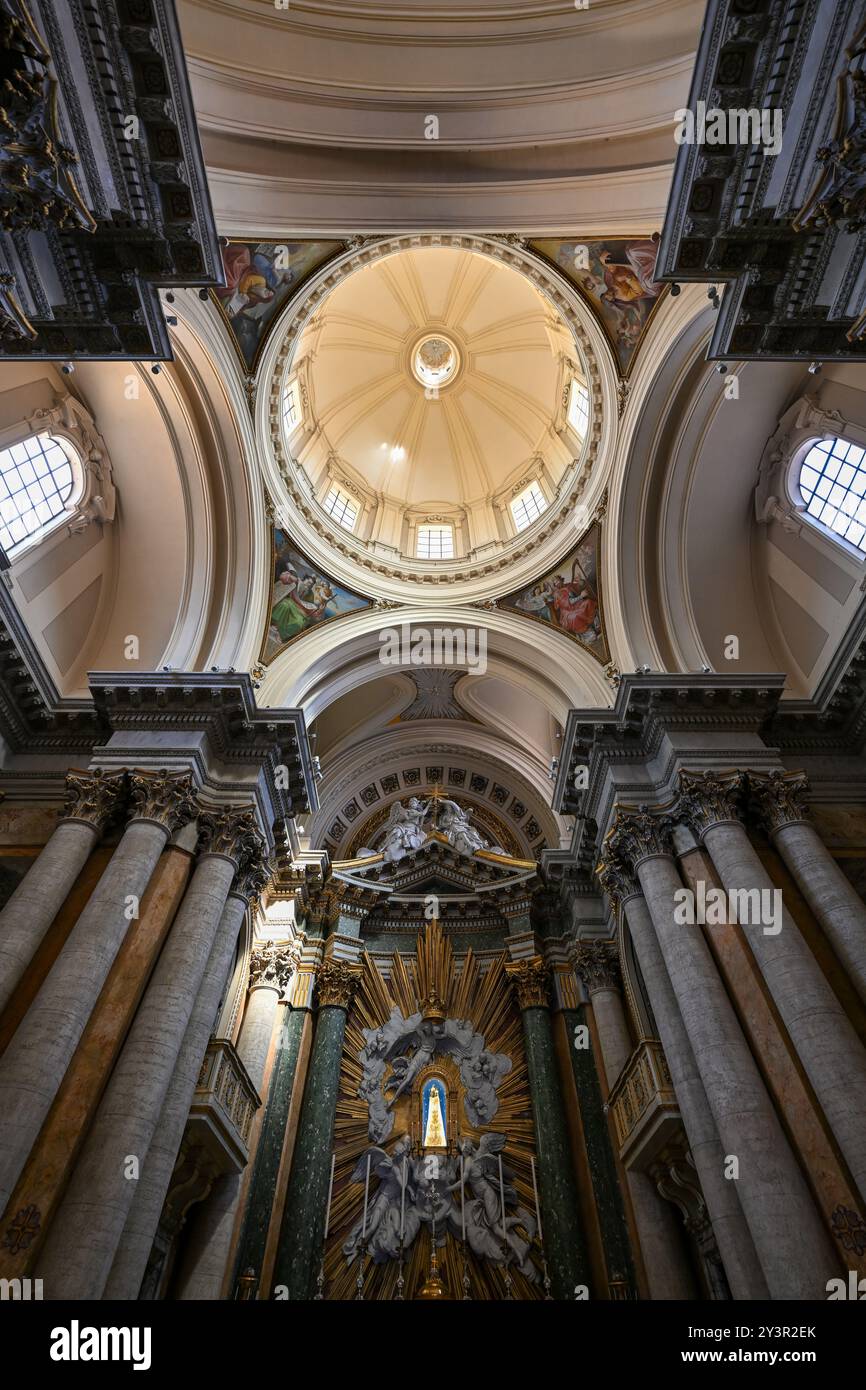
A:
x: 374, y: 399
x: 317, y: 113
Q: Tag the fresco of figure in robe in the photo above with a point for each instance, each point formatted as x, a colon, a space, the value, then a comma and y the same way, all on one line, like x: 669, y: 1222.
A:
x: 569, y: 597
x: 302, y: 596
x: 616, y: 276
x: 261, y: 277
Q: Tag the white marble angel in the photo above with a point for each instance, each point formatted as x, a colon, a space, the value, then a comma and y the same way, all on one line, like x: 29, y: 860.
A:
x: 404, y: 830
x: 454, y: 824
x: 382, y: 1238
x: 483, y: 1201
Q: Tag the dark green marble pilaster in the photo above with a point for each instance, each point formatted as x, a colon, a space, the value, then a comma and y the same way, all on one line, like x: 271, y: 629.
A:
x: 254, y: 1234
x: 599, y: 1152
x: 300, y: 1246
x: 563, y: 1239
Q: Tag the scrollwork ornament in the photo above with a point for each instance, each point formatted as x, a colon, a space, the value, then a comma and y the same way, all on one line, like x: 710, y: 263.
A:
x: 637, y: 835
x: 231, y: 832
x: 597, y: 964
x: 93, y: 797
x: 164, y: 797
x: 531, y: 980
x: 779, y: 798
x: 336, y: 982
x: 709, y: 798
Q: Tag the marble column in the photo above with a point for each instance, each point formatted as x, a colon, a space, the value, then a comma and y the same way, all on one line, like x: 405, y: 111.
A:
x: 788, y: 1235
x: 780, y: 800
x: 83, y: 1240
x: 563, y: 1238
x: 33, y: 1065
x: 300, y: 1246
x: 271, y: 968
x: 41, y: 1185
x: 829, y: 1049
x: 742, y: 1266
x: 133, y: 1251
x: 662, y: 1241
x: 91, y: 799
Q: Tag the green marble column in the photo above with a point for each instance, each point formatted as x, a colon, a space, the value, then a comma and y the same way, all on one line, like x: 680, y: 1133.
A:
x: 605, y: 1187
x: 300, y: 1245
x: 563, y: 1239
x: 263, y: 1185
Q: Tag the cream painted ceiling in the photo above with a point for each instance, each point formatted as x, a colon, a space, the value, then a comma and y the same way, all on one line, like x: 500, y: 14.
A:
x: 487, y: 423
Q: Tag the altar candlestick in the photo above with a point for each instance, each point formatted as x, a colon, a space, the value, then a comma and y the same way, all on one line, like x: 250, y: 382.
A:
x: 462, y: 1197
x: 502, y: 1197
x: 330, y: 1195
x: 537, y: 1205
x: 403, y: 1203
x: 366, y: 1199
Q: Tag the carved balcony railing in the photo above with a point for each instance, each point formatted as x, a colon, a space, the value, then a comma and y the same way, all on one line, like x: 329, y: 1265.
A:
x: 223, y: 1107
x: 642, y: 1104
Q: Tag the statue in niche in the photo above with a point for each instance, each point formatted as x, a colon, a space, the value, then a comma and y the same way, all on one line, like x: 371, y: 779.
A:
x: 409, y: 1045
x: 434, y: 1108
x: 382, y: 1239
x: 483, y: 1204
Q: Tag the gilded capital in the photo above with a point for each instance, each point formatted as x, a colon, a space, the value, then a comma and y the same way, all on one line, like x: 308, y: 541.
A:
x: 164, y: 797
x: 273, y: 964
x: 636, y: 834
x: 779, y: 797
x: 93, y: 797
x: 336, y: 982
x: 709, y: 798
x: 531, y: 980
x: 597, y: 964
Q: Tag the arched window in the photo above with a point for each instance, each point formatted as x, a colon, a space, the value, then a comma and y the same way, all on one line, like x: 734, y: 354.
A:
x: 38, y: 476
x: 435, y: 542
x: 832, y: 483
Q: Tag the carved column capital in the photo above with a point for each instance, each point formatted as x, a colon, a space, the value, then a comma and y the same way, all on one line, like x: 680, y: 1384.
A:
x: 164, y: 797
x: 708, y: 799
x: 531, y: 980
x: 336, y: 982
x: 779, y: 798
x: 272, y: 965
x: 232, y: 832
x: 597, y: 964
x: 616, y: 877
x: 638, y: 834
x: 252, y: 878
x: 93, y: 797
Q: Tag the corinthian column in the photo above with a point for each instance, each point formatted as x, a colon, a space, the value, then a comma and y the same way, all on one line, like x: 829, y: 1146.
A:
x: 82, y: 1243
x: 139, y: 1231
x: 742, y: 1267
x: 91, y: 799
x: 823, y: 1037
x: 780, y: 799
x: 789, y: 1238
x: 563, y: 1238
x: 662, y: 1246
x: 271, y: 968
x: 303, y: 1226
x: 33, y: 1065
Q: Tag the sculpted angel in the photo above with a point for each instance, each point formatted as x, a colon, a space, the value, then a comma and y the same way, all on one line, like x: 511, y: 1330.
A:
x: 404, y: 830
x: 484, y: 1230
x: 382, y: 1239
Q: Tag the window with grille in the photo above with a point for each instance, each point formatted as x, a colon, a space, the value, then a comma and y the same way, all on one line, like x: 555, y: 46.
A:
x: 292, y: 412
x: 578, y: 408
x: 36, y: 482
x: 528, y: 506
x: 342, y: 507
x: 832, y: 481
x: 435, y: 543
